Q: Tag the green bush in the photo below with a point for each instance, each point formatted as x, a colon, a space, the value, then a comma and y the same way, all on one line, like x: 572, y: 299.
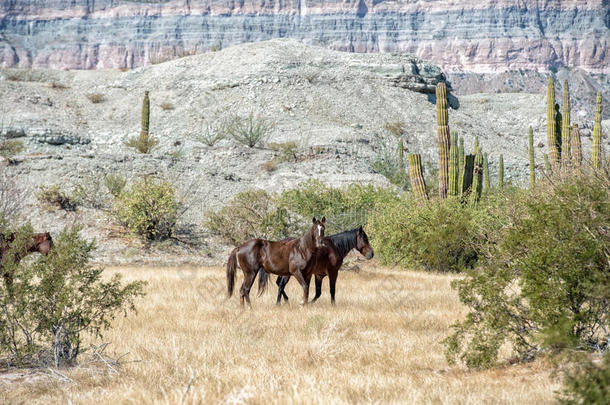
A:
x: 143, y: 143
x: 149, y: 209
x: 55, y: 300
x: 543, y: 280
x: 437, y: 235
x: 255, y: 213
x: 115, y: 184
x: 250, y: 214
x: 11, y: 147
x: 587, y: 383
x: 54, y: 197
x: 250, y: 131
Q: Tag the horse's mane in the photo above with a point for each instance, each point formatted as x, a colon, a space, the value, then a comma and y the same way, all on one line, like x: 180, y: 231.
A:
x: 345, y: 241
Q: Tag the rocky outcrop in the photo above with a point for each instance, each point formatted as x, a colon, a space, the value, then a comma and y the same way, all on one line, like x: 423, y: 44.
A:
x: 466, y: 35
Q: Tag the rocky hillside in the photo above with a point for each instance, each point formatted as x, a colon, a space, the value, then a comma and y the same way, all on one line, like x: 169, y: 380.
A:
x: 466, y: 35
x: 332, y: 105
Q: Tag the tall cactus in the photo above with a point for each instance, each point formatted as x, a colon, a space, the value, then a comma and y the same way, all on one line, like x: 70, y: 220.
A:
x: 547, y: 165
x: 596, y: 155
x: 551, y: 123
x: 145, y: 113
x: 466, y: 175
x: 442, y: 118
x: 565, y: 126
x: 501, y: 172
x: 486, y: 182
x: 576, y: 146
x: 477, y: 178
x: 454, y: 171
x: 418, y: 184
x: 530, y: 142
x: 475, y: 147
x: 460, y: 157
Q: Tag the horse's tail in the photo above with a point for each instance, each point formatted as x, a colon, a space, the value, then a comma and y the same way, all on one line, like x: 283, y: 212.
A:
x: 263, y: 277
x: 231, y: 267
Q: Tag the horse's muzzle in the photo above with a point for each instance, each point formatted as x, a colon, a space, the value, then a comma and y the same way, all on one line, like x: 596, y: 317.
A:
x: 370, y: 254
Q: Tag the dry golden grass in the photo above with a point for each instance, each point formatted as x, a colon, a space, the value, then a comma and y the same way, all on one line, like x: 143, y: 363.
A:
x: 380, y: 344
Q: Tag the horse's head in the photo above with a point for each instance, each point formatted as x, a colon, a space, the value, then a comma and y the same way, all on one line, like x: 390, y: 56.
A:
x: 318, y: 228
x: 42, y: 243
x: 362, y: 244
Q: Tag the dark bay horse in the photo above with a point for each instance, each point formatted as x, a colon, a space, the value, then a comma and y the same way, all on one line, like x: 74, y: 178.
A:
x: 328, y: 260
x: 39, y: 242
x: 289, y: 257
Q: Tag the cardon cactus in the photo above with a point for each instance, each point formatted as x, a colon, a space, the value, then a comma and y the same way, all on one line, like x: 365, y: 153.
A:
x: 460, y: 157
x: 547, y: 164
x: 596, y: 155
x: 145, y: 113
x: 401, y: 154
x: 501, y: 172
x: 486, y: 182
x: 418, y: 184
x: 565, y: 126
x: 576, y: 146
x: 475, y: 147
x: 477, y: 178
x: 466, y: 175
x: 530, y: 139
x: 442, y: 117
x: 551, y: 122
x: 454, y: 171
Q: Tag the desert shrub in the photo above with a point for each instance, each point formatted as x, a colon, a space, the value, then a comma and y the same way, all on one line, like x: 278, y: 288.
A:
x: 269, y: 166
x: 256, y: 213
x: 211, y: 134
x: 344, y: 208
x: 167, y: 106
x: 437, y: 235
x: 250, y: 214
x: 587, y: 383
x: 54, y: 197
x: 143, y: 143
x: 55, y: 300
x: 149, y: 209
x: 543, y: 280
x: 96, y: 98
x: 250, y: 131
x: 11, y: 147
x: 287, y: 151
x: 90, y: 193
x: 115, y: 184
x: 387, y: 161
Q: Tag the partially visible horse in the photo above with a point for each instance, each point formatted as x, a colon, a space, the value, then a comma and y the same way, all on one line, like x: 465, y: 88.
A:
x: 285, y: 258
x: 39, y: 242
x: 328, y: 260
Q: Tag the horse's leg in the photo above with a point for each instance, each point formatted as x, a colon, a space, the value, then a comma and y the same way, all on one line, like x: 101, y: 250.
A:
x: 281, y: 284
x: 249, y: 277
x: 299, y: 277
x: 332, y: 279
x: 318, y: 287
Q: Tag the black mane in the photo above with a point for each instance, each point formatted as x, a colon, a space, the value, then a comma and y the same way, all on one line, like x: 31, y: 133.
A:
x: 345, y: 241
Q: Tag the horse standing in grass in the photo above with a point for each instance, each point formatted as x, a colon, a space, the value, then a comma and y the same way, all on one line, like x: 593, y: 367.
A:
x: 289, y: 257
x: 328, y: 260
x: 40, y: 242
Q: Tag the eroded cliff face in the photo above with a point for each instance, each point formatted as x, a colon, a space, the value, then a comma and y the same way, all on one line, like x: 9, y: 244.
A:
x: 460, y: 35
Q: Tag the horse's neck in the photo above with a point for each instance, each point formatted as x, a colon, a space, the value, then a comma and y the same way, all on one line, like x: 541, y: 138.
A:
x: 345, y: 243
x: 307, y: 243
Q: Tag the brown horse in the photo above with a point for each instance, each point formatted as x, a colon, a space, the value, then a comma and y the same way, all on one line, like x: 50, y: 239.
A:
x: 40, y: 242
x: 285, y: 258
x: 328, y: 260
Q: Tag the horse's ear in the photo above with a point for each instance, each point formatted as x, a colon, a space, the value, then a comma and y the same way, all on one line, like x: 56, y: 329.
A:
x: 314, y: 220
x: 360, y: 229
x: 323, y: 220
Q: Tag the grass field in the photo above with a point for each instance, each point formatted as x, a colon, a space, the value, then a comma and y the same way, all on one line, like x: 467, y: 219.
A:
x: 189, y: 344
